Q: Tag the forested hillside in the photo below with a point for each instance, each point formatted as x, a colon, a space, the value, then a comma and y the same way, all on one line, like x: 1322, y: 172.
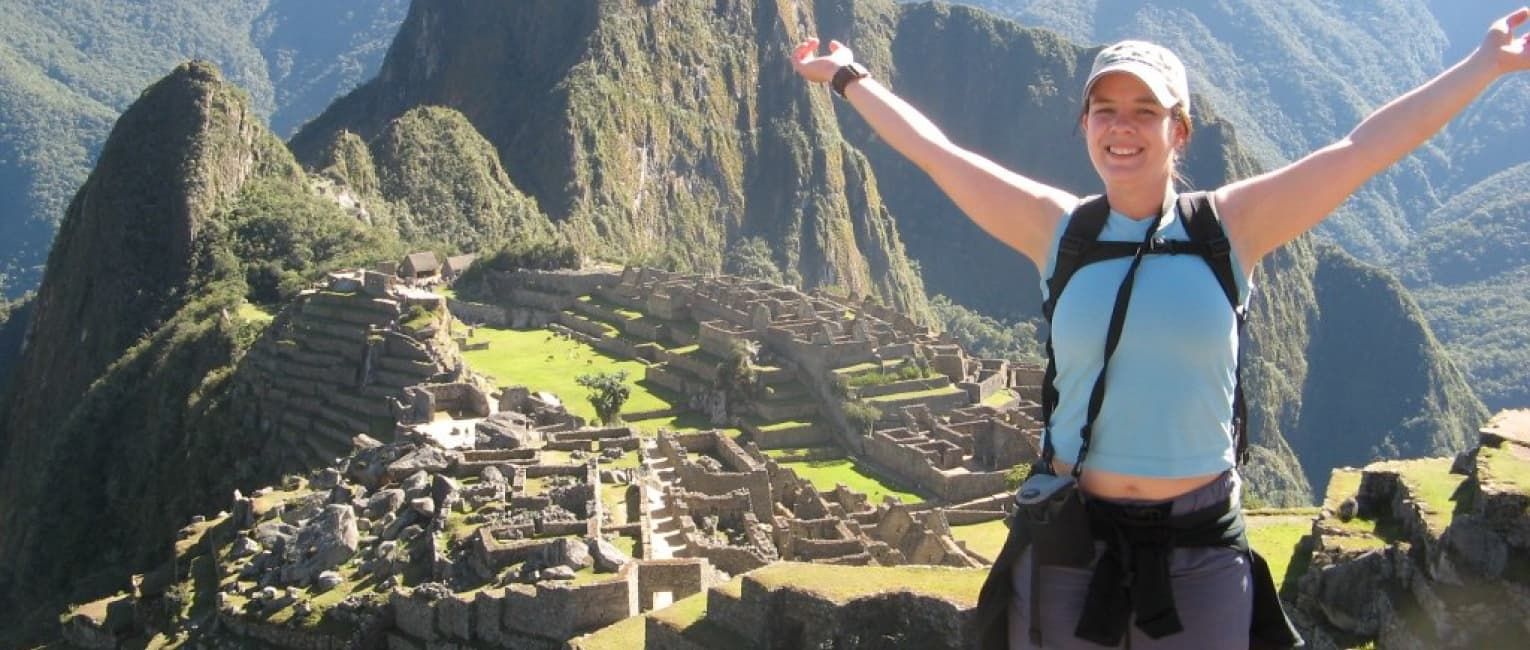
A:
x: 1296, y: 75
x: 68, y: 67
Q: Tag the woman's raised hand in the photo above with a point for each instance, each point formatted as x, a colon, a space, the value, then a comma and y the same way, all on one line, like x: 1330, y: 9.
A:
x: 820, y: 69
x: 1508, y: 52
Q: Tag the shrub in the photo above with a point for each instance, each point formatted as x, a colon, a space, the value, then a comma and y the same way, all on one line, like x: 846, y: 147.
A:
x: 750, y: 258
x: 608, y: 391
x: 839, y: 386
x: 862, y: 416
x: 737, y: 377
x: 1016, y: 475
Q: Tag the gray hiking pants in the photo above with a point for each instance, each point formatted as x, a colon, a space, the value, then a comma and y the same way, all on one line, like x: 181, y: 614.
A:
x: 1211, y: 591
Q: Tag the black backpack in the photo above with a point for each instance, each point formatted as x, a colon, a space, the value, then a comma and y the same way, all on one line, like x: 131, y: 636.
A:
x: 1080, y: 247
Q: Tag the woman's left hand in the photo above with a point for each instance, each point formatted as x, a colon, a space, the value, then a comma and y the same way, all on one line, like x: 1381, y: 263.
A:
x: 1507, y: 52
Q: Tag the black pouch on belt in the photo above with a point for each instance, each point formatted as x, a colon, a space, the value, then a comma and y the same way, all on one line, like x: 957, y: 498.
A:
x: 1052, y: 508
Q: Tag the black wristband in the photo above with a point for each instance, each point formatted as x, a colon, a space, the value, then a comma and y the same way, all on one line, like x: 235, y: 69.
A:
x: 847, y: 74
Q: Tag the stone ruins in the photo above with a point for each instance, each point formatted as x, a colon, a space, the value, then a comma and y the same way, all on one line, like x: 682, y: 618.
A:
x: 1428, y: 553
x: 447, y: 510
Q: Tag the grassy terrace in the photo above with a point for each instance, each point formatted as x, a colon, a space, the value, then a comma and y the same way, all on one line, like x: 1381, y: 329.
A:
x: 985, y: 539
x: 869, y: 366
x: 999, y: 397
x: 838, y: 584
x: 626, y: 634
x: 1432, y: 486
x: 842, y: 584
x: 544, y: 362
x: 933, y: 392
x: 826, y: 474
x: 619, y: 310
x: 607, y: 330
x: 688, y: 422
x: 686, y: 616
x: 1276, y: 536
x: 614, y: 499
x: 1506, y: 466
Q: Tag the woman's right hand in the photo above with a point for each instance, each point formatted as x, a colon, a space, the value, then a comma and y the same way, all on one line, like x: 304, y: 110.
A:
x: 820, y: 69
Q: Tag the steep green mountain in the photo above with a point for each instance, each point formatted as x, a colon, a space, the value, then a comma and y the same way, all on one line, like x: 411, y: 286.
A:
x: 450, y: 183
x: 1011, y: 93
x: 665, y: 144
x: 67, y: 68
x: 117, y: 425
x: 1471, y: 273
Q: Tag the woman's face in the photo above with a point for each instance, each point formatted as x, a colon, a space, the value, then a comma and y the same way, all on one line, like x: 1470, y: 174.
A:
x: 1131, y: 137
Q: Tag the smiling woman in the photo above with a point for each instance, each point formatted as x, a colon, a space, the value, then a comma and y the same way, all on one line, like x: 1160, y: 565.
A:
x: 1171, y: 564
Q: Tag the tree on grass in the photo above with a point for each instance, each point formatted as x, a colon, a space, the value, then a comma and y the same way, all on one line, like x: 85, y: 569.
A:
x: 737, y: 377
x: 608, y: 391
x: 862, y: 415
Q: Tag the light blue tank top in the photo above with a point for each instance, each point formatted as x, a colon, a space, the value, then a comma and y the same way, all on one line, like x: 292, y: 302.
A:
x: 1169, y: 389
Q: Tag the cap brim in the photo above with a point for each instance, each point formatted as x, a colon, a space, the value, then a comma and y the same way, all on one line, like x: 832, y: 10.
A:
x: 1149, y: 76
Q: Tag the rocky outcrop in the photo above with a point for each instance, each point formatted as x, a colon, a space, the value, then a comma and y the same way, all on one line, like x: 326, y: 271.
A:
x: 1430, y: 559
x: 336, y: 363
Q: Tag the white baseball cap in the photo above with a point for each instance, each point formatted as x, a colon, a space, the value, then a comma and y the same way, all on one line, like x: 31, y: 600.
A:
x: 1155, y: 65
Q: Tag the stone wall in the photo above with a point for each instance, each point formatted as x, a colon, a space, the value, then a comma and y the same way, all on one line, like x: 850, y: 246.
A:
x: 549, y: 611
x: 569, y: 283
x: 333, y: 365
x: 474, y: 313
x: 904, y: 386
x: 911, y: 465
x: 682, y: 578
x: 807, y: 435
x: 790, y: 618
x: 1432, y: 581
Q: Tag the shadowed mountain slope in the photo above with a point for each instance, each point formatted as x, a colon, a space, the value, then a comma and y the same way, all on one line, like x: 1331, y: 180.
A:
x: 651, y: 131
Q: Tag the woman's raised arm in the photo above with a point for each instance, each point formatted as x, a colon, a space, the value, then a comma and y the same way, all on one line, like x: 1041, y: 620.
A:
x: 1265, y: 211
x: 1016, y: 210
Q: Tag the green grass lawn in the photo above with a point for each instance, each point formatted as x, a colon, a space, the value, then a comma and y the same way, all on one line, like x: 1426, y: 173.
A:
x: 844, y: 583
x: 614, y: 499
x: 933, y: 392
x: 544, y: 362
x: 254, y: 313
x: 868, y: 366
x: 689, y: 422
x: 1503, y: 466
x: 998, y: 398
x: 985, y: 539
x: 619, y: 310
x: 1275, y: 538
x: 825, y: 474
x: 628, y: 633
x: 629, y: 460
x: 780, y: 425
x: 796, y: 453
x: 1431, y: 484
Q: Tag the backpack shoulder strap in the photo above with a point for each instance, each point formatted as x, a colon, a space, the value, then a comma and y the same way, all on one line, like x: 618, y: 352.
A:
x: 1079, y: 237
x: 1204, y: 226
x: 1083, y: 229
